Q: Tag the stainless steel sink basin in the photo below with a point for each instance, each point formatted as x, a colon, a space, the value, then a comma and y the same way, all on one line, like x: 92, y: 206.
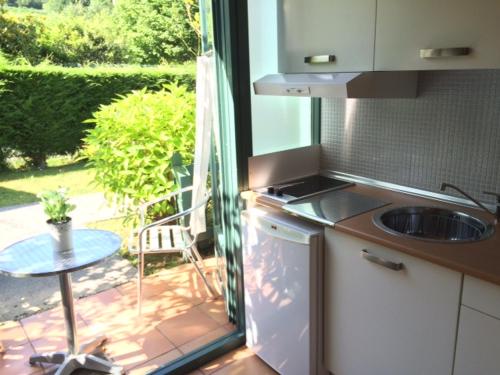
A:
x: 433, y: 224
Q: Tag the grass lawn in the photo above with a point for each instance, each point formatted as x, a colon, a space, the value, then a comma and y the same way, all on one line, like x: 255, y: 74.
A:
x: 21, y: 186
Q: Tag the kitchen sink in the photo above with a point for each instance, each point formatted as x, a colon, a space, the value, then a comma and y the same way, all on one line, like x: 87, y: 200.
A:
x: 433, y: 224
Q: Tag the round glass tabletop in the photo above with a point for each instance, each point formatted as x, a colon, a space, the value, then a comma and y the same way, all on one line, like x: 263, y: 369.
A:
x: 35, y: 256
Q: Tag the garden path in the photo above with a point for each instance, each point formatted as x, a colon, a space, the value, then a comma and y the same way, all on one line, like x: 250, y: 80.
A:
x: 25, y: 296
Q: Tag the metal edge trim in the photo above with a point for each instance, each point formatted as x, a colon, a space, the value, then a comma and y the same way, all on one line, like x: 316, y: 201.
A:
x: 303, y: 215
x: 297, y: 199
x: 402, y: 189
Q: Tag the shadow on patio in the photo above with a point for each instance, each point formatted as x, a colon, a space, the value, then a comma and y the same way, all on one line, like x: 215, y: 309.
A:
x: 178, y: 316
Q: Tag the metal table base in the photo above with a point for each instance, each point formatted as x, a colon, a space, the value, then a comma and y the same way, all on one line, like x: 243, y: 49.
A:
x: 71, y: 362
x: 73, y: 359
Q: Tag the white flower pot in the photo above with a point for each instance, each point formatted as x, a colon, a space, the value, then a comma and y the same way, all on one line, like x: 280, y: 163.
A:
x: 61, y: 234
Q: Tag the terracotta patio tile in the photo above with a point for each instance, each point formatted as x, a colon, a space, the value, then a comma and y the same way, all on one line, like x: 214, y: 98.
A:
x: 165, y: 306
x: 107, y: 303
x: 230, y: 327
x: 151, y: 286
x: 249, y: 365
x: 187, y: 326
x: 138, y: 348
x: 225, y: 360
x: 181, y: 268
x: 55, y: 341
x: 115, y: 319
x: 127, y: 321
x: 155, y: 363
x: 216, y: 309
x: 15, y: 361
x: 49, y: 323
x: 173, y: 298
x: 203, y: 340
x: 12, y: 334
x: 184, y: 278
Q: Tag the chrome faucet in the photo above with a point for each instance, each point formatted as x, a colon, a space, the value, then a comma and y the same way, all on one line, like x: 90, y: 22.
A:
x: 496, y: 214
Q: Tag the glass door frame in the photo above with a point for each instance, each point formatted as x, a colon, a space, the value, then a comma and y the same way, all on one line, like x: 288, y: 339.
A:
x: 230, y: 29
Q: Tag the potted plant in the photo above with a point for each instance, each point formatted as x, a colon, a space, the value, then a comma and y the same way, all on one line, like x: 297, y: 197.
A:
x: 57, y: 207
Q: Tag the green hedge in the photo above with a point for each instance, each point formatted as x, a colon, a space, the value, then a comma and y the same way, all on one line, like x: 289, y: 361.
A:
x: 42, y: 108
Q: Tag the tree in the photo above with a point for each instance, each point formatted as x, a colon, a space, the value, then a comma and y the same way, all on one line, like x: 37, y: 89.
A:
x: 159, y: 30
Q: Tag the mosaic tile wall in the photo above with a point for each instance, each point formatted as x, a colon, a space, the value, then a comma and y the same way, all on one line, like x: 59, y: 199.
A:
x: 449, y: 133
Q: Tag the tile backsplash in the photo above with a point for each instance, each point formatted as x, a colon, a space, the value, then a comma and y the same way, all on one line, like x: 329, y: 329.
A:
x: 449, y: 133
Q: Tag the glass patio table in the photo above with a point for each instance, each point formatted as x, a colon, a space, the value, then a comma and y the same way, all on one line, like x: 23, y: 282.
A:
x: 36, y: 257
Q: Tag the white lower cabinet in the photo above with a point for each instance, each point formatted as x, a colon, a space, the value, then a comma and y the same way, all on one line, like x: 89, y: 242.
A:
x: 478, y: 344
x: 384, y: 321
x: 478, y: 341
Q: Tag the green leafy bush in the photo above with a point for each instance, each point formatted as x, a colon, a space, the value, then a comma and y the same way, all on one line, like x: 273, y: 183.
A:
x: 81, y: 32
x: 134, y: 140
x: 67, y: 39
x: 43, y: 108
x: 71, y: 39
x: 19, y: 36
x: 159, y: 30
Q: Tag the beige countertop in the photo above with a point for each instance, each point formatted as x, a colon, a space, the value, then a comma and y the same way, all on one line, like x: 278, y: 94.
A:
x: 480, y: 259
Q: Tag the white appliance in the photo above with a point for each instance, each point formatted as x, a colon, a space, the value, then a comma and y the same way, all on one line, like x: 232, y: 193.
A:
x: 393, y: 84
x: 282, y: 262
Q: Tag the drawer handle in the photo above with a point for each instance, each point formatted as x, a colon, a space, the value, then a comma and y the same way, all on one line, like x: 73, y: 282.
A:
x: 319, y: 59
x: 430, y: 53
x: 365, y: 254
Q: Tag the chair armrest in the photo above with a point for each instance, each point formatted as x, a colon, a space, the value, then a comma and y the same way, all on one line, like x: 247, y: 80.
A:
x: 143, y: 207
x: 171, y: 218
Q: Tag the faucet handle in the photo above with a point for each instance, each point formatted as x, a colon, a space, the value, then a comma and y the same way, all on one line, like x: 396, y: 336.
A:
x: 497, y: 195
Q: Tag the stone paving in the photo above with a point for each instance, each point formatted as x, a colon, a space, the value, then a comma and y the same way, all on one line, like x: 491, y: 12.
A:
x: 25, y: 296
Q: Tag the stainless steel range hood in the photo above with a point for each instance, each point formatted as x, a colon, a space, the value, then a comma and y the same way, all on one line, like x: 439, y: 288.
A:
x: 395, y: 84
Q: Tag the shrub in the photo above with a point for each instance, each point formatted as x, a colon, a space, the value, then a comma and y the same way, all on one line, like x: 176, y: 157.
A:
x: 75, y: 40
x: 134, y: 140
x: 159, y: 30
x: 43, y: 108
x: 18, y: 36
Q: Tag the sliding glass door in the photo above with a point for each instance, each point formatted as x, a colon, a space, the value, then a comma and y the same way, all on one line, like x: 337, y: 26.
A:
x: 225, y: 40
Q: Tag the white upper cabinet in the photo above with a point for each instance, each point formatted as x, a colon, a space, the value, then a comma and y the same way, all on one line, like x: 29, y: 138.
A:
x: 437, y: 34
x: 316, y: 29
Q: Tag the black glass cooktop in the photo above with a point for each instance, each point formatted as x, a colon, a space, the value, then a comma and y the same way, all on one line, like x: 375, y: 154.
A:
x: 306, y: 186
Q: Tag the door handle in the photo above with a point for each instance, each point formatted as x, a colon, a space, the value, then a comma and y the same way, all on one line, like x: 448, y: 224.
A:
x: 429, y: 53
x: 319, y: 59
x: 365, y: 254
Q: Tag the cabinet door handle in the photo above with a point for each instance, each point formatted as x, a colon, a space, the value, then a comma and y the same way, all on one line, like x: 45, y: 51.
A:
x: 430, y: 53
x: 319, y: 59
x: 365, y: 254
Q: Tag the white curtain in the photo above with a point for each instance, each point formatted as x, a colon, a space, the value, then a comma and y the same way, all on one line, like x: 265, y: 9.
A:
x: 206, y: 110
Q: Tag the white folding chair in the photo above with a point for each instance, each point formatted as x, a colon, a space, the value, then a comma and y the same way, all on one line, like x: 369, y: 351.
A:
x: 167, y: 235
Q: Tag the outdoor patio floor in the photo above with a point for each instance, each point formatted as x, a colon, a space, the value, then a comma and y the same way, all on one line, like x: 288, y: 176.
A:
x: 178, y: 316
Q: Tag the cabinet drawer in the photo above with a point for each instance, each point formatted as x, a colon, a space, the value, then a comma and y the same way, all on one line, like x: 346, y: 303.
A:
x: 481, y: 295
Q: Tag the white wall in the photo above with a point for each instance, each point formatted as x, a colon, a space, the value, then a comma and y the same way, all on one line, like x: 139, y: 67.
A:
x: 278, y: 123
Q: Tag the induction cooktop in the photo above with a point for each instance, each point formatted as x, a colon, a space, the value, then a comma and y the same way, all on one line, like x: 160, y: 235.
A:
x: 301, y: 188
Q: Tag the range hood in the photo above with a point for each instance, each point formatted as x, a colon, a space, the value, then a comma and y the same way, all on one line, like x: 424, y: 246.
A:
x: 394, y: 84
